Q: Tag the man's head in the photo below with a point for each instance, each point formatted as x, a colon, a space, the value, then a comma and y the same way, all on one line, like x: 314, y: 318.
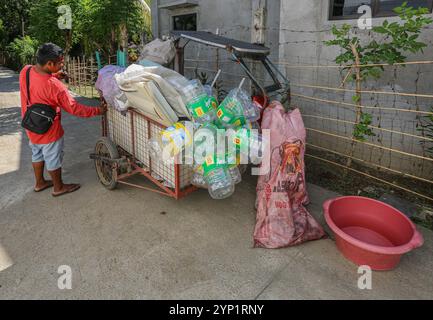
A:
x: 50, y: 58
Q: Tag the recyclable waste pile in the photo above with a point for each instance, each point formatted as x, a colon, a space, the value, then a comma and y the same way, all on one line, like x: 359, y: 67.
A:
x: 196, y: 122
x: 196, y: 141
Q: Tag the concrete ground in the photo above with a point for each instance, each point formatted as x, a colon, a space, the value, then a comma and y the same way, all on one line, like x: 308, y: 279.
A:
x: 120, y: 244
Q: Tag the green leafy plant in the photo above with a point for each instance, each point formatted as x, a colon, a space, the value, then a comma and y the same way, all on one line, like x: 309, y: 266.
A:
x: 362, y: 128
x: 15, y: 16
x: 398, y: 38
x: 23, y: 50
x: 2, y: 35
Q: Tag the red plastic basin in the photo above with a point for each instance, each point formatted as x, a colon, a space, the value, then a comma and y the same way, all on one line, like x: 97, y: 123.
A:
x: 371, y: 233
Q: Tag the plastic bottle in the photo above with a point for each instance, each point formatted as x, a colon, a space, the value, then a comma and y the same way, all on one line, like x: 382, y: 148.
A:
x: 212, y: 96
x: 232, y: 163
x: 213, y: 130
x: 217, y: 176
x: 198, y: 102
x: 198, y: 179
x: 218, y: 179
x: 237, y: 109
x: 174, y: 139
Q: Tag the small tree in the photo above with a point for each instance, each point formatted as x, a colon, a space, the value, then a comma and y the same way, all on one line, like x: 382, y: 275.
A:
x: 397, y: 40
x: 116, y: 21
x: 15, y: 15
x: 23, y: 50
x: 2, y: 35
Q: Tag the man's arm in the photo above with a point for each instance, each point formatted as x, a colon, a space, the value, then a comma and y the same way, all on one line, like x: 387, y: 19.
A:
x: 70, y: 105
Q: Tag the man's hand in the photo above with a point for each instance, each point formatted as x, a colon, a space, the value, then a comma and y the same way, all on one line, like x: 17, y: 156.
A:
x: 103, y: 107
x: 61, y: 75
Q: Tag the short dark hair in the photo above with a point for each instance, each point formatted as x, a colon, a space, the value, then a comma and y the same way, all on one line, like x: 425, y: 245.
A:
x: 48, y: 52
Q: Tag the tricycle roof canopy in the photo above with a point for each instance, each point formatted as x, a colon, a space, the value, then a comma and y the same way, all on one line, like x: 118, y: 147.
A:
x: 240, y: 47
x: 238, y: 50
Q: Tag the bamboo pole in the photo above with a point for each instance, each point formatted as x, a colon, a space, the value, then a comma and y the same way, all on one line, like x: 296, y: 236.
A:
x: 354, y: 105
x: 364, y: 91
x: 85, y: 76
x: 372, y: 164
x: 373, y: 127
x: 288, y: 65
x: 371, y: 145
x: 349, y: 73
x: 300, y: 66
x: 372, y: 177
x: 79, y: 75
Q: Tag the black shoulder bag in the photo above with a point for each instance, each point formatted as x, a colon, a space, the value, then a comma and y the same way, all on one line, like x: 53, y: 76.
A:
x: 39, y: 117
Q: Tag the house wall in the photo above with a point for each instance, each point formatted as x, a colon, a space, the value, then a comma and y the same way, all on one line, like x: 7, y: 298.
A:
x: 233, y: 19
x: 303, y: 30
x: 295, y: 31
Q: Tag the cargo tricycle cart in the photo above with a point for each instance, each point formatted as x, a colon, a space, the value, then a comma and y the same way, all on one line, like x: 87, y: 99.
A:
x: 124, y: 149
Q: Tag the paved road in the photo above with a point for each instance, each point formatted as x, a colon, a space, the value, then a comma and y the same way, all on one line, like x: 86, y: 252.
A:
x: 119, y: 245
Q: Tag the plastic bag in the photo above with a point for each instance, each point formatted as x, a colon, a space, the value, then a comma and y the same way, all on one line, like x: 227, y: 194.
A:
x: 147, y: 88
x: 159, y: 51
x: 282, y: 219
x: 111, y: 92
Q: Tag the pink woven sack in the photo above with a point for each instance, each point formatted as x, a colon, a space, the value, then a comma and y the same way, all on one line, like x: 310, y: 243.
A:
x: 282, y: 219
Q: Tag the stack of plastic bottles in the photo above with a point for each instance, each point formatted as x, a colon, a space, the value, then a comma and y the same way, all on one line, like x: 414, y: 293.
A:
x: 220, y: 171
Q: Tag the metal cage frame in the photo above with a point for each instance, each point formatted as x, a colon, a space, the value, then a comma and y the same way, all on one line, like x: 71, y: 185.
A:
x: 138, y: 167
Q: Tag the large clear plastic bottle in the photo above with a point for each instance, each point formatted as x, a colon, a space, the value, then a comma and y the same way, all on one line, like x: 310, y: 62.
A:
x: 237, y: 109
x: 198, y: 102
x: 217, y: 175
x: 219, y: 181
x: 212, y: 95
x: 198, y: 179
x: 250, y: 108
x: 235, y: 173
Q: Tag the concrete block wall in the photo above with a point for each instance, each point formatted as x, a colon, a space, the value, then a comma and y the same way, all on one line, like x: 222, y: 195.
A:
x: 233, y: 19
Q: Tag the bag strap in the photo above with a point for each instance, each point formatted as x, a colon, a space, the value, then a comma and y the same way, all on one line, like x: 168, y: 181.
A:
x: 28, y: 90
x: 28, y: 84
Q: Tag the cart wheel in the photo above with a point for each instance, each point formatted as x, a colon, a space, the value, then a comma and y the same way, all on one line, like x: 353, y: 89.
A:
x: 106, y: 173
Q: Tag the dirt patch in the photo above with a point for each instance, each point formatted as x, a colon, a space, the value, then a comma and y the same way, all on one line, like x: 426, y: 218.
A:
x: 346, y: 182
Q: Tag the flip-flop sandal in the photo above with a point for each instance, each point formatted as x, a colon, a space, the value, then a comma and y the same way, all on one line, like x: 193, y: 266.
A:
x: 49, y: 185
x: 67, y: 191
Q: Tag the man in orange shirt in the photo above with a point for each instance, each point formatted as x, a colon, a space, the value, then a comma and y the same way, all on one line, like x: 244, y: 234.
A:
x: 46, y: 88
